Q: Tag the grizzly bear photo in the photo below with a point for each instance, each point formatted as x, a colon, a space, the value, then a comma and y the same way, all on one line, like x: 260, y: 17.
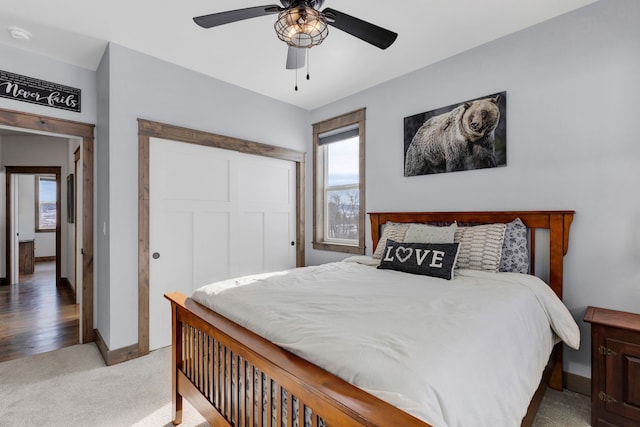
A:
x: 465, y: 136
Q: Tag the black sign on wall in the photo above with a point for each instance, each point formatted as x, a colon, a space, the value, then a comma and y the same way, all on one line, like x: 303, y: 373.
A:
x: 35, y: 91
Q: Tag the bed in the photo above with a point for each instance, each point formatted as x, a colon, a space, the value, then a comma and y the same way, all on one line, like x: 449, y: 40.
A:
x: 234, y: 376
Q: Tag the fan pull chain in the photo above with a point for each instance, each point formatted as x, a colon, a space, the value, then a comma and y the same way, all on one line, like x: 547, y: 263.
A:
x: 308, y: 64
x: 296, y: 70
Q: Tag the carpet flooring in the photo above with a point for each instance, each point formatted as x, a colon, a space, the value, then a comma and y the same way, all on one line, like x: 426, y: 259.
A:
x: 73, y: 387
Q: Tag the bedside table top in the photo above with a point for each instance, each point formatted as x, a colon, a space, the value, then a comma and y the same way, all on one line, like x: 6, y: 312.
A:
x: 613, y: 318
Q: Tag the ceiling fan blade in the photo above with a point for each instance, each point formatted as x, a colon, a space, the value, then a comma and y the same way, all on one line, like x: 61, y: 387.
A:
x: 295, y: 58
x: 215, y: 19
x: 370, y: 33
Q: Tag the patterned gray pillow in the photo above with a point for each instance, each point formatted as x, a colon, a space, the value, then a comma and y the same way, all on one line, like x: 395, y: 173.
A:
x: 480, y: 246
x: 515, y: 249
x: 392, y: 230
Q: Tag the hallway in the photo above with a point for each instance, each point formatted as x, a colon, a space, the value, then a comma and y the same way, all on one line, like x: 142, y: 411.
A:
x: 36, y: 316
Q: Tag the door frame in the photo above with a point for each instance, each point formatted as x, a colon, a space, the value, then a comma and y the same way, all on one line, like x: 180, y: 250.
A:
x: 84, y: 131
x: 76, y: 159
x: 148, y: 129
x: 32, y: 170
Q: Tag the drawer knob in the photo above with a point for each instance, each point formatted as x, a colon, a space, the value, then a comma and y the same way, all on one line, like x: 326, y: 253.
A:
x: 606, y: 351
x: 606, y: 398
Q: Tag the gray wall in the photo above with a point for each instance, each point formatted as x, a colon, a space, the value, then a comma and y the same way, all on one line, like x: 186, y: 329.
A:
x: 40, y: 67
x: 572, y: 143
x: 102, y: 294
x: 141, y: 86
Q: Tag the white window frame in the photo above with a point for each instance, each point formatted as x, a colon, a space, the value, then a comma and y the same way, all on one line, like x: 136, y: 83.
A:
x: 346, y: 122
x: 39, y: 228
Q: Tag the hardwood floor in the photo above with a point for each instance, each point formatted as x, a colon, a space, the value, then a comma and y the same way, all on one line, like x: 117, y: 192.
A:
x: 36, y: 316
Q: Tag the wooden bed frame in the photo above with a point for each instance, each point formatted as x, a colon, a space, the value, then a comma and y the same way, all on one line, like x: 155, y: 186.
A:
x: 208, y: 349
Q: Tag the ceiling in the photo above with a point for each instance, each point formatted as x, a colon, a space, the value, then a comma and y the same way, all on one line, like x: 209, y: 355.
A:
x: 249, y: 54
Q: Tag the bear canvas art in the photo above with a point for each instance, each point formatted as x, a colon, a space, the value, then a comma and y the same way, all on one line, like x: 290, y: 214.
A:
x: 465, y: 136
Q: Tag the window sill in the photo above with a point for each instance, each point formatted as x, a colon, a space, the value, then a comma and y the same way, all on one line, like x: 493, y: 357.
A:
x: 335, y: 247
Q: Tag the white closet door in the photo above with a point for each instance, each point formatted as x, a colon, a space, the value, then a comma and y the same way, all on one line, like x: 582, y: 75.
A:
x: 213, y: 214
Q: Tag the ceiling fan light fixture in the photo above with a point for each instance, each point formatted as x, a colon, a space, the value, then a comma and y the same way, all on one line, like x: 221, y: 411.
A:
x: 301, y: 27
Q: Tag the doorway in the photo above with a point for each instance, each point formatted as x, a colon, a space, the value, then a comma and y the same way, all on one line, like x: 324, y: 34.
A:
x: 14, y: 237
x: 50, y: 126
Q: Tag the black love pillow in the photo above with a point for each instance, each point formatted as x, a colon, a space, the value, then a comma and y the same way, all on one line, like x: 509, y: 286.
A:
x: 429, y: 259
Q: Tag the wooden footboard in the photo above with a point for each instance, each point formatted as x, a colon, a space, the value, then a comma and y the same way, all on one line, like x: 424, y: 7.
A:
x: 234, y: 377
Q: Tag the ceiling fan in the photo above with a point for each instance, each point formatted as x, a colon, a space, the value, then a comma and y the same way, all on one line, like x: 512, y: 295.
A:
x: 301, y: 25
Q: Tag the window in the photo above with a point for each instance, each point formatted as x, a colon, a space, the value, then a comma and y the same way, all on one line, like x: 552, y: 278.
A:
x: 46, y: 213
x: 338, y: 190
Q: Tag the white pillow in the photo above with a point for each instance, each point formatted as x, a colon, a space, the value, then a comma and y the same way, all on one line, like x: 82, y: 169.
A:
x: 425, y: 233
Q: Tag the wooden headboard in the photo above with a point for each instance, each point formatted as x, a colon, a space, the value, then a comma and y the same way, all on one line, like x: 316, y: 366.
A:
x: 557, y: 222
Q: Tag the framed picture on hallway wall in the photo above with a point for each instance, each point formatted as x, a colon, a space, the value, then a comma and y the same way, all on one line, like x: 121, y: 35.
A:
x: 71, y: 208
x: 464, y: 136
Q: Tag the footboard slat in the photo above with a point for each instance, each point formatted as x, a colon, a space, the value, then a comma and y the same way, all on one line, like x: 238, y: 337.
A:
x: 197, y: 357
x: 221, y: 377
x: 259, y: 397
x: 269, y: 401
x: 278, y: 405
x: 251, y: 395
x: 194, y: 356
x: 202, y: 360
x: 258, y: 384
x: 186, y: 352
x: 289, y: 414
x: 210, y: 384
x: 217, y: 376
x: 191, y: 352
x: 224, y: 385
x: 241, y: 392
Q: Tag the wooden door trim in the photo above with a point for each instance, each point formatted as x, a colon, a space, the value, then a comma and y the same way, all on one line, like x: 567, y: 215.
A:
x: 33, y: 170
x: 84, y: 131
x: 76, y: 159
x: 148, y: 129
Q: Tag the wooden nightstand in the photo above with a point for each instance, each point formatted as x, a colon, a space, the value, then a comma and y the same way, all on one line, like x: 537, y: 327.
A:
x: 615, y: 367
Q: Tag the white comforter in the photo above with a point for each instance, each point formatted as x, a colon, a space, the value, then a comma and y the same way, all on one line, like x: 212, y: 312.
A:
x: 465, y: 352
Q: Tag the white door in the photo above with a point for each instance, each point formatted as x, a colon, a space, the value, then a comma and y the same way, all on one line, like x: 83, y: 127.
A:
x: 213, y: 214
